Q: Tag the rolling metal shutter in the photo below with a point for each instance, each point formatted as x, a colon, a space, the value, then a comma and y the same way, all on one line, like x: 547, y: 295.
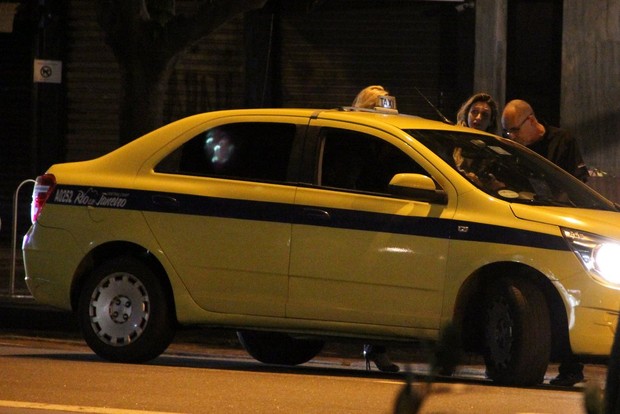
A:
x: 332, y: 52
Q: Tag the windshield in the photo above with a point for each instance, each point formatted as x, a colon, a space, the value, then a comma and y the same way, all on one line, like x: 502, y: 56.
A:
x: 507, y: 170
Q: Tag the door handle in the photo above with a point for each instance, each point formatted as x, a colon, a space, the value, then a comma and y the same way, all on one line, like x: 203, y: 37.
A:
x: 167, y: 202
x: 316, y: 214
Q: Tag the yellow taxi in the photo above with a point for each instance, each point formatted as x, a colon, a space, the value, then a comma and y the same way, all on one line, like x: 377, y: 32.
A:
x: 297, y: 226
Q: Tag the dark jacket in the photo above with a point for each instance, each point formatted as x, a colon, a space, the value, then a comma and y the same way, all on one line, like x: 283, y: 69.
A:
x: 560, y: 147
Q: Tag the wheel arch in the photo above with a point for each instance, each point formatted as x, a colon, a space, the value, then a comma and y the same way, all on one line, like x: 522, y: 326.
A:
x: 107, y: 251
x: 471, y: 300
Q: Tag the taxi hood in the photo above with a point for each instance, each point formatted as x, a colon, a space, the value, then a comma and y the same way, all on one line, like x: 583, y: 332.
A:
x: 604, y: 223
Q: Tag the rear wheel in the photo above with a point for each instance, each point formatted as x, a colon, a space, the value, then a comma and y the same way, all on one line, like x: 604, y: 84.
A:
x: 124, y: 313
x: 517, y: 333
x: 279, y: 348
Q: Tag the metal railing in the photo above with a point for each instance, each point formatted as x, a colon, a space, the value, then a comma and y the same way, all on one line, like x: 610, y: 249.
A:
x: 12, y: 290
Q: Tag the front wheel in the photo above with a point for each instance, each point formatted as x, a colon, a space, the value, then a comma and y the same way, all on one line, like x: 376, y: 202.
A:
x: 124, y: 313
x: 517, y: 333
x: 279, y: 348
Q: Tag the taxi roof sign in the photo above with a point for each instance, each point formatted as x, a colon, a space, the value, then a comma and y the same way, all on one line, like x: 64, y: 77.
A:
x: 384, y: 104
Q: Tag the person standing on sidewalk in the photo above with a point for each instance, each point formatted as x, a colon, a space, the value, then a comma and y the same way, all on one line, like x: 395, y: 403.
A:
x: 560, y: 147
x: 367, y: 98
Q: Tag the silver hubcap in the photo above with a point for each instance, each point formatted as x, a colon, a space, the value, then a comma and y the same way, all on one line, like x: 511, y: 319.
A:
x: 119, y: 309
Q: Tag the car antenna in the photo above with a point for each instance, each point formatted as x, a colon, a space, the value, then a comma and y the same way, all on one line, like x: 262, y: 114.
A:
x: 446, y: 120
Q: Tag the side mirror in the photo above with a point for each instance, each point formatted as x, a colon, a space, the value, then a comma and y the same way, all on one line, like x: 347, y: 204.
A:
x: 417, y: 187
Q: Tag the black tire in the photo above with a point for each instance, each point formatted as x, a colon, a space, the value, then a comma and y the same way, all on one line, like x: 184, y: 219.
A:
x: 517, y: 333
x: 279, y: 348
x: 124, y: 313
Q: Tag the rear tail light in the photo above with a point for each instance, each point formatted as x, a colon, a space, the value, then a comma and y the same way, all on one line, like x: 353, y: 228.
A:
x: 43, y: 188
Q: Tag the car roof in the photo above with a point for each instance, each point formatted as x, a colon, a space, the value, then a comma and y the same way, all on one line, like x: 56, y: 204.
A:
x: 366, y: 117
x: 398, y: 120
x: 347, y: 114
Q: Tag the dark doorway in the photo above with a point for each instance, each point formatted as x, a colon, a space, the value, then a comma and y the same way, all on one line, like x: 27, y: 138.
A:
x: 535, y: 55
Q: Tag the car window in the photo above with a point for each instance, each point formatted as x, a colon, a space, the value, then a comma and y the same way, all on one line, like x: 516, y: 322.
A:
x: 507, y: 170
x: 248, y: 150
x: 356, y: 161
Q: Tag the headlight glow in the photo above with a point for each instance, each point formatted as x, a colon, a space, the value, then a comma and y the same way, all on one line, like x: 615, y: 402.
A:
x: 607, y: 261
x: 599, y: 255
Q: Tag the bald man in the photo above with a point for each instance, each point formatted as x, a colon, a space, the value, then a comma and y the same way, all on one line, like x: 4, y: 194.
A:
x: 558, y: 146
x: 555, y: 144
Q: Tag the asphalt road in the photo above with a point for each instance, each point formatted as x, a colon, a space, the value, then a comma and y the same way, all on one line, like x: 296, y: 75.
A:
x: 49, y: 376
x: 25, y: 318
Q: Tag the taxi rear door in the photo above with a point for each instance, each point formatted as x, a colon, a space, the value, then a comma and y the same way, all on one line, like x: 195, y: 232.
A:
x: 221, y: 210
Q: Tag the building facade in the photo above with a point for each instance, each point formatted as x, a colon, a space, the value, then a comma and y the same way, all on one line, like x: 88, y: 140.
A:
x: 311, y: 54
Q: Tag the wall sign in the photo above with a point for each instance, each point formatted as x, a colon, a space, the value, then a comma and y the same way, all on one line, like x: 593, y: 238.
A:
x: 47, y: 71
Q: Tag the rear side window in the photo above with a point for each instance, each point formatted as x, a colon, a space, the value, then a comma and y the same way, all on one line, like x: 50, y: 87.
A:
x: 356, y: 161
x: 249, y: 150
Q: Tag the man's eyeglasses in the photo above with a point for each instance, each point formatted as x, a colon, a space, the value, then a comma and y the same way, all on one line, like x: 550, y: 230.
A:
x: 515, y: 130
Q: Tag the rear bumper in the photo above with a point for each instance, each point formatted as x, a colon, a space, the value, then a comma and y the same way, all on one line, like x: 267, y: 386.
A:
x: 51, y: 257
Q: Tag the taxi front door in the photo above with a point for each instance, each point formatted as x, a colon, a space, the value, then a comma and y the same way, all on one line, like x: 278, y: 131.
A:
x: 361, y: 257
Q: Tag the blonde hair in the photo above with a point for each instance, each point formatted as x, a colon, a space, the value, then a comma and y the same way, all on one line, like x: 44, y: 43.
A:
x: 367, y: 98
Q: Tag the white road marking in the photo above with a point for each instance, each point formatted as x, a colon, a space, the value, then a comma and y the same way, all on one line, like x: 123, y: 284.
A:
x: 75, y: 408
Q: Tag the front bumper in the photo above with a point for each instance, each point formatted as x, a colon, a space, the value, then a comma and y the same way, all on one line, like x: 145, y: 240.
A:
x: 595, y: 332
